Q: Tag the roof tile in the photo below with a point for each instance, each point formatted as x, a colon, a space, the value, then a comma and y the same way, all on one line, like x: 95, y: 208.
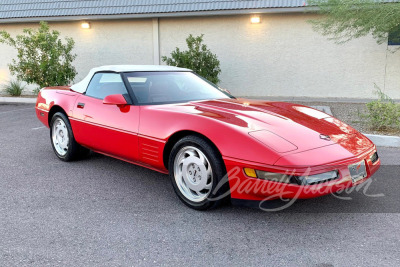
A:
x: 52, y: 8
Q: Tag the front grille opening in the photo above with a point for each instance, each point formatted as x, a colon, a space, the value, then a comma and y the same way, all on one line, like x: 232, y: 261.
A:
x: 315, y: 179
x: 374, y: 157
x: 323, y: 181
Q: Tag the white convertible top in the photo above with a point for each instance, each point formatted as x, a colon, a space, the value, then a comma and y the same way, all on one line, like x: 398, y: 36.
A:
x: 82, y: 85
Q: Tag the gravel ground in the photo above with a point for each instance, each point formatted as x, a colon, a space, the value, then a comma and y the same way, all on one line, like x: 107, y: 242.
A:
x: 349, y: 113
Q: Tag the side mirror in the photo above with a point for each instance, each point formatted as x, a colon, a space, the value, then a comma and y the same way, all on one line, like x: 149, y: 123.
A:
x: 118, y: 100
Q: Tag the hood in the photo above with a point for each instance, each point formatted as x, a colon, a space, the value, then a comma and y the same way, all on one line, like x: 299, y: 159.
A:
x: 284, y: 127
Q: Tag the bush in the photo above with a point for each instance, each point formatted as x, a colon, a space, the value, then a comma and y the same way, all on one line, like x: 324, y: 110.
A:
x: 13, y: 88
x: 36, y: 90
x: 383, y: 113
x: 198, y: 58
x: 42, y: 57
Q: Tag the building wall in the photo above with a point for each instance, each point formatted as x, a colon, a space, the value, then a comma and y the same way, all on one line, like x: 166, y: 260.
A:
x: 281, y: 56
x: 105, y: 43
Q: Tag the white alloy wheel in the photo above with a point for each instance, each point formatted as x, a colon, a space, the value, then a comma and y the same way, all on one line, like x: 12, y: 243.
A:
x: 60, y: 136
x: 193, y: 174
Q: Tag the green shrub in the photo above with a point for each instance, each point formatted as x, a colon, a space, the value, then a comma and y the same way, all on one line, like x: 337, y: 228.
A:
x: 13, y: 88
x: 383, y: 113
x: 198, y: 58
x: 42, y: 57
x: 36, y: 90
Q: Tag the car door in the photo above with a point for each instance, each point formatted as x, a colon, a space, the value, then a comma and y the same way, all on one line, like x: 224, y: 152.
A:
x: 109, y: 129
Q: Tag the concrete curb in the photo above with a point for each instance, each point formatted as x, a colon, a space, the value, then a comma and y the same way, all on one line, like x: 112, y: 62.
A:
x: 384, y: 140
x: 24, y: 100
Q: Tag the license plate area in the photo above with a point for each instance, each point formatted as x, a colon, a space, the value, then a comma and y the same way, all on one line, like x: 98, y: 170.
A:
x: 358, y: 171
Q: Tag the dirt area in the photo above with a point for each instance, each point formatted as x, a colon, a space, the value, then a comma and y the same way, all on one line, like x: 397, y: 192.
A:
x: 23, y: 96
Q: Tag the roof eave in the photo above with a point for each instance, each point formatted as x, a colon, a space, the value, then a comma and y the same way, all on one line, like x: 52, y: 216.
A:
x: 160, y: 15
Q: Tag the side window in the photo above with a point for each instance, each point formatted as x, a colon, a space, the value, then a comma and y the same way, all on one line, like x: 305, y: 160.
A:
x: 104, y: 84
x: 140, y: 87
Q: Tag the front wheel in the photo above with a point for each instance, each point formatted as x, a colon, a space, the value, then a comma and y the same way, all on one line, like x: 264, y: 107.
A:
x: 62, y: 139
x: 197, y: 173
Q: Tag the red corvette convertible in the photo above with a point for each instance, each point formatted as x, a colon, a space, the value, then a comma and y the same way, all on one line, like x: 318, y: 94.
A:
x: 212, y: 144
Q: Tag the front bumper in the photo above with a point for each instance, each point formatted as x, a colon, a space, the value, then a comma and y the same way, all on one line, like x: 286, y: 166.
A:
x: 244, y: 187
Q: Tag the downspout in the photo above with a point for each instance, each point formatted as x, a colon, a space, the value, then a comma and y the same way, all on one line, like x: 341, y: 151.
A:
x: 156, y: 42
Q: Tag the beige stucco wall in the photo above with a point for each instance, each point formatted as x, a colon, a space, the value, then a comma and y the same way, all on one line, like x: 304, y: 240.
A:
x: 106, y: 42
x: 282, y: 56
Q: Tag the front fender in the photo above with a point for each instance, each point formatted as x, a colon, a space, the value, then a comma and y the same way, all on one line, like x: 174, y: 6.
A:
x: 232, y: 141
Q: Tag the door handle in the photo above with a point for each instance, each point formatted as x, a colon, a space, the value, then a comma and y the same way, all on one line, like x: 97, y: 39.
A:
x: 80, y: 105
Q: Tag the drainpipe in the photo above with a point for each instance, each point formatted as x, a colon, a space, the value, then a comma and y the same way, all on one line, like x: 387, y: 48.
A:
x: 156, y: 42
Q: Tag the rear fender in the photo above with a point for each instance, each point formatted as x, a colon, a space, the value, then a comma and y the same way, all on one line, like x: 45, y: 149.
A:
x: 50, y: 100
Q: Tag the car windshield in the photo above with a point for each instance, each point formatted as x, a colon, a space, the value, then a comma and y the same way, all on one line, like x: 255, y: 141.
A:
x: 171, y: 87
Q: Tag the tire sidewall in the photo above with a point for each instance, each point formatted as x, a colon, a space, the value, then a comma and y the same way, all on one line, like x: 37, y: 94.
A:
x: 218, y: 169
x: 71, y: 141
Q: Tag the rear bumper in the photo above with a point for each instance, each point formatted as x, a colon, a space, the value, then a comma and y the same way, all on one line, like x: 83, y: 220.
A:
x: 247, y: 188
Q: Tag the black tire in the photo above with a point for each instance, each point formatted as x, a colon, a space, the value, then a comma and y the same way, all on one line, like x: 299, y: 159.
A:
x: 218, y: 170
x: 73, y: 151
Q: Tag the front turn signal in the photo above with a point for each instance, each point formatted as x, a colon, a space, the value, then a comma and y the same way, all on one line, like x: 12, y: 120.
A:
x: 250, y: 172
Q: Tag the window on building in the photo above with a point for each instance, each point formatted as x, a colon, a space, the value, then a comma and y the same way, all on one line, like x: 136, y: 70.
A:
x: 394, y: 37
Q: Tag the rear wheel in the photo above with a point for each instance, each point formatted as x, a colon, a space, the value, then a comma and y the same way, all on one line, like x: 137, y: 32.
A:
x: 196, y: 168
x: 62, y: 139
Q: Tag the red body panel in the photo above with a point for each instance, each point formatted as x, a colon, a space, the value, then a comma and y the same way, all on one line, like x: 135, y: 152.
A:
x: 269, y: 136
x: 60, y: 96
x: 106, y: 128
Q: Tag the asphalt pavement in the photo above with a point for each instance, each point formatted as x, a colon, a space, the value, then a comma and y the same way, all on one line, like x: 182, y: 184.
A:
x: 105, y: 212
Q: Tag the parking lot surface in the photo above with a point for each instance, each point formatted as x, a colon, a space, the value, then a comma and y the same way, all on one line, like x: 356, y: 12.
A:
x: 104, y: 212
